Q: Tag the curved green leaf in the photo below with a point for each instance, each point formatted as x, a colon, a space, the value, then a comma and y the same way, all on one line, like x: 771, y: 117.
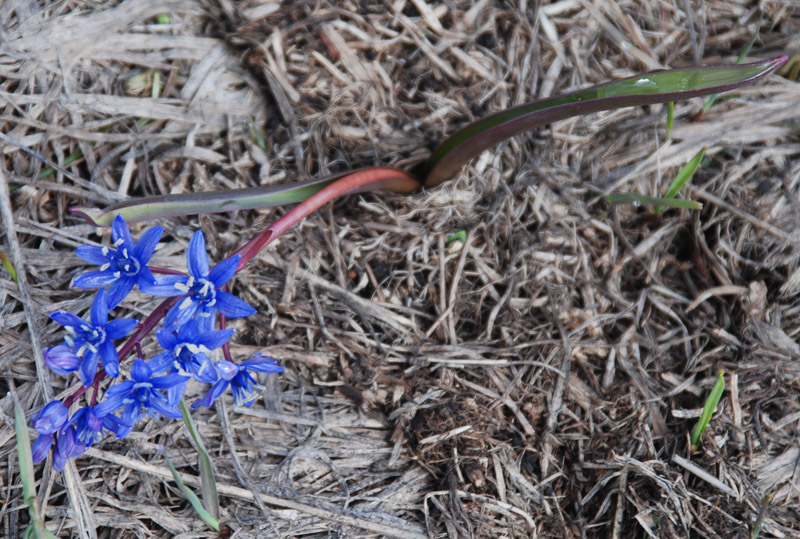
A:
x: 655, y: 87
x: 163, y: 206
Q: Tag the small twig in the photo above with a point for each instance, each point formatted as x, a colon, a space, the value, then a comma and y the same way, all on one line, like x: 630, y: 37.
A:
x: 321, y: 319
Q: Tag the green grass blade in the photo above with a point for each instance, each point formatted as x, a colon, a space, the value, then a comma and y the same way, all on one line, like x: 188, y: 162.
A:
x: 207, y: 517
x: 762, y: 512
x: 683, y: 176
x: 647, y: 89
x: 37, y: 528
x: 708, y: 410
x: 210, y: 496
x: 635, y: 198
x: 460, y: 235
x: 49, y: 171
x: 745, y: 51
x: 8, y: 266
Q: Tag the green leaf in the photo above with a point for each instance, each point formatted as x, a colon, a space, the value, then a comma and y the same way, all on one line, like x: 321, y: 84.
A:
x: 708, y: 409
x: 210, y: 497
x: 657, y: 87
x: 37, y: 528
x: 164, y: 206
x: 460, y: 235
x: 207, y: 517
x: 684, y: 175
x: 637, y: 199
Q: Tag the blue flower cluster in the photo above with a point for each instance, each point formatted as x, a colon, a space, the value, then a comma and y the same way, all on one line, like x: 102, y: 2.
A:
x: 157, y: 385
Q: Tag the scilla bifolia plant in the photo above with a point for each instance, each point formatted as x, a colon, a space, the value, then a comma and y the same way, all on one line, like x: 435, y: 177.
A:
x: 187, y: 335
x: 195, y: 301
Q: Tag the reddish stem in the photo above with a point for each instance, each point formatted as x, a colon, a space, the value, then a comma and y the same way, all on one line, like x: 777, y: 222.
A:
x: 362, y: 180
x: 142, y: 329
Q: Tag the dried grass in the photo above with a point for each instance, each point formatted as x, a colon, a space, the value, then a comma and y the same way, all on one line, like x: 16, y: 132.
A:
x: 540, y: 379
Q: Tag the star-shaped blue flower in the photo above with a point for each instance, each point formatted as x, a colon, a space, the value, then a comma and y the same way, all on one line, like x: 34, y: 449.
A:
x: 141, y: 396
x: 122, y: 266
x: 188, y: 351
x: 240, y: 381
x: 92, y: 341
x: 201, y: 287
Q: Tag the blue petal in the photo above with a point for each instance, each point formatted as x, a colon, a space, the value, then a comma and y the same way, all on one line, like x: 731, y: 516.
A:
x: 181, y: 312
x: 116, y: 329
x: 231, y: 306
x: 99, y: 311
x: 226, y: 369
x: 161, y: 362
x: 141, y: 371
x: 196, y: 256
x: 205, y: 373
x: 41, y: 447
x: 95, y: 279
x: 51, y: 418
x: 166, y: 339
x: 164, y: 286
x: 88, y: 368
x: 110, y: 359
x: 119, y: 231
x: 112, y: 403
x: 115, y: 425
x: 188, y: 332
x: 213, y: 394
x: 147, y: 244
x: 146, y: 277
x: 206, y: 317
x: 214, y: 339
x: 120, y: 290
x: 175, y: 394
x: 68, y: 319
x: 224, y: 271
x: 132, y: 413
x: 261, y: 363
x: 161, y: 406
x: 118, y: 391
x: 95, y: 255
x: 169, y: 380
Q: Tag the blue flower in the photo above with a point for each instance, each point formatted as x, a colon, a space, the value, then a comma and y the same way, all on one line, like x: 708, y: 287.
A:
x: 92, y: 341
x: 89, y: 425
x: 62, y: 359
x: 188, y: 351
x: 201, y: 288
x: 236, y: 376
x: 140, y: 395
x: 47, y: 422
x: 123, y: 265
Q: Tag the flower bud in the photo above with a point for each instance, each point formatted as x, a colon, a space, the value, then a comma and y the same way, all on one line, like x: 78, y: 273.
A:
x: 51, y: 418
x: 62, y: 359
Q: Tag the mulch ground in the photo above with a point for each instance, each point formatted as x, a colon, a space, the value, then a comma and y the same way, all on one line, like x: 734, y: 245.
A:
x: 538, y: 376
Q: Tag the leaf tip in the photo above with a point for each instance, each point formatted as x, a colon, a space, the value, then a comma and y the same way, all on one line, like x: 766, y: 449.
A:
x: 93, y: 216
